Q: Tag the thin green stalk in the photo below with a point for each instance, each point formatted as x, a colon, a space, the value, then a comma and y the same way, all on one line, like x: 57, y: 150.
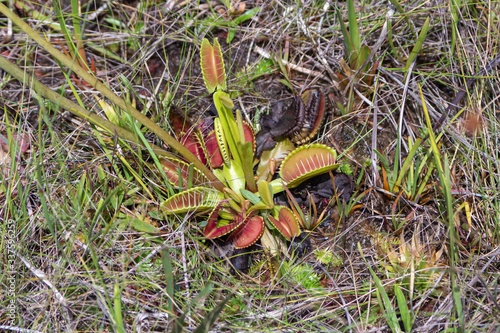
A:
x: 78, y: 32
x: 354, y: 31
x: 94, y: 82
x: 404, y: 311
x: 455, y: 5
x: 418, y: 46
x: 445, y: 180
x: 406, y: 164
x: 73, y: 50
x: 117, y: 310
x: 169, y: 277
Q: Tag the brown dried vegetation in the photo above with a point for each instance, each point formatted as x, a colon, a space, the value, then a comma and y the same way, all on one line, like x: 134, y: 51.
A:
x: 89, y: 233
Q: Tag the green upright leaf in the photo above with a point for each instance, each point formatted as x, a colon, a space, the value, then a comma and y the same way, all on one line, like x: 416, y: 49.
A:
x: 418, y: 45
x: 117, y: 305
x: 386, y: 305
x: 445, y: 180
x: 406, y: 164
x: 455, y: 18
x: 353, y: 26
x: 246, y: 149
x: 348, y: 44
x: 364, y: 53
x: 403, y: 309
x: 253, y: 198
x: 167, y: 268
x: 228, y: 124
x: 233, y: 173
x: 266, y: 193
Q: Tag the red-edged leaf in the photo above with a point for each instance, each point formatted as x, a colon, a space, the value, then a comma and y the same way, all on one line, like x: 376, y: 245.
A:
x: 313, y: 102
x: 306, y: 162
x: 317, y: 106
x: 176, y: 170
x: 212, y: 65
x: 194, y: 142
x: 286, y: 223
x: 249, y: 134
x: 248, y: 232
x: 220, y: 136
x: 195, y: 199
x: 213, y: 151
x: 212, y: 230
x: 187, y: 134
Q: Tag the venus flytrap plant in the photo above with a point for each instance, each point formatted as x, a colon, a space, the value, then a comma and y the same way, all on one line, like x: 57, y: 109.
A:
x: 245, y: 205
x: 240, y: 205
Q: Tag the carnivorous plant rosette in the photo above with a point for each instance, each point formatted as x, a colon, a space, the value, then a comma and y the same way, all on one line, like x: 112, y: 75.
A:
x: 245, y: 205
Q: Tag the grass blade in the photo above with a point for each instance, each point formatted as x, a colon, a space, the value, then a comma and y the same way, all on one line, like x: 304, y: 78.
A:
x: 117, y: 307
x: 386, y: 305
x: 400, y: 9
x: 418, y: 46
x: 169, y: 277
x: 406, y: 164
x: 348, y: 44
x: 444, y: 177
x: 403, y: 308
x: 179, y: 322
x: 353, y: 26
x: 455, y: 5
